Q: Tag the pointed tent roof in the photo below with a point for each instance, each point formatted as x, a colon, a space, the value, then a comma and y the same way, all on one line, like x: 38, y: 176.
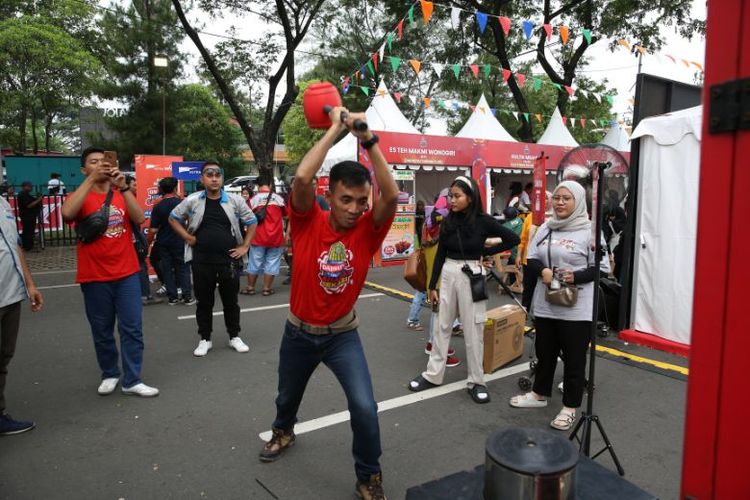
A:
x: 482, y: 124
x: 556, y: 133
x: 617, y: 138
x: 382, y: 114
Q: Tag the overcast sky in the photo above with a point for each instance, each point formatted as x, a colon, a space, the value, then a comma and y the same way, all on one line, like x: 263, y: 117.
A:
x: 619, y: 67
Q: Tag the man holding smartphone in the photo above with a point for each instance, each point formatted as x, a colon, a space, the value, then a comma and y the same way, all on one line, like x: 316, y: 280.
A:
x: 108, y: 272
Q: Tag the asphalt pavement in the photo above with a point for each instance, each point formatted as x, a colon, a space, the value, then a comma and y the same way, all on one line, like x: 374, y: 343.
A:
x: 200, y: 437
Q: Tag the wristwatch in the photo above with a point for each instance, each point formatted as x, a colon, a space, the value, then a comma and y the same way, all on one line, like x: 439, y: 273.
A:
x: 370, y: 142
x: 125, y: 189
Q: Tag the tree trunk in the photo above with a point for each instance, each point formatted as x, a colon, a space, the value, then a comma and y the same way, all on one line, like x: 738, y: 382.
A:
x: 33, y: 130
x: 22, y: 131
x: 48, y: 131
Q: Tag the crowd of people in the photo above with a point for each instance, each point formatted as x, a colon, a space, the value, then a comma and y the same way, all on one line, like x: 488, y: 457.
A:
x: 211, y: 238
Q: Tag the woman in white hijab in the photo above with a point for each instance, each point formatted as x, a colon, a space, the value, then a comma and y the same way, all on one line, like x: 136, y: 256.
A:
x: 561, y: 254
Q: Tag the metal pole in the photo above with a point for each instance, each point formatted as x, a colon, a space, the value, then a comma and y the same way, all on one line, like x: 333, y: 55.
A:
x: 163, y: 119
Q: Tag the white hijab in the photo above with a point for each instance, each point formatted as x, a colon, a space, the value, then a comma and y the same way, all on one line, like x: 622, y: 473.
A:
x: 579, y: 219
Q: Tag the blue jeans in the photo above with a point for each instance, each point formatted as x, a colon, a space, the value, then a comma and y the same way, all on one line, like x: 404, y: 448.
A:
x: 299, y: 355
x: 416, y: 306
x: 104, y: 302
x: 173, y: 261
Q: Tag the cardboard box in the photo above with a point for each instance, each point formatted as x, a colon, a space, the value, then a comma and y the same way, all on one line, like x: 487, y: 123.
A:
x: 503, y: 336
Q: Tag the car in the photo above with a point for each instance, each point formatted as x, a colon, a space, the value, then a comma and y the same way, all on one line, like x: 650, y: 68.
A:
x: 236, y: 184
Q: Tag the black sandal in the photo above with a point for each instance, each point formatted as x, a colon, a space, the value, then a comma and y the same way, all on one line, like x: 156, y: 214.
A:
x: 479, y: 394
x: 420, y: 384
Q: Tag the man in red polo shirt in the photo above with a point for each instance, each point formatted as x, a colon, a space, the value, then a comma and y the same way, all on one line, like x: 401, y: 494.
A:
x: 333, y: 250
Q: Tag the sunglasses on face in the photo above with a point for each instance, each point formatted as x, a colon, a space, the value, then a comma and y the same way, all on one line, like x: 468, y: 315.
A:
x: 212, y: 172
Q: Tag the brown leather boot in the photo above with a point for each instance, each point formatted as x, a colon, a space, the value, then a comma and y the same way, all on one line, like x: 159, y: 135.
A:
x: 372, y: 489
x: 280, y: 441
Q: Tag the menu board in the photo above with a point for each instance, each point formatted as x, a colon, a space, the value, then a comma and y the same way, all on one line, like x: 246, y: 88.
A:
x: 400, y: 241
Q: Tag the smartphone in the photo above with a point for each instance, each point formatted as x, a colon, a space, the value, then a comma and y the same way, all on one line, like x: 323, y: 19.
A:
x: 111, y: 158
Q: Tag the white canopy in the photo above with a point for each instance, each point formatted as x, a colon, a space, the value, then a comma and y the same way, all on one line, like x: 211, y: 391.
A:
x: 556, y: 133
x: 666, y: 223
x: 482, y: 124
x: 617, y: 138
x: 383, y: 115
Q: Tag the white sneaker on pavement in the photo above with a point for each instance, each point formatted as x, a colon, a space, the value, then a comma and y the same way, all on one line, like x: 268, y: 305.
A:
x: 203, y: 347
x: 238, y: 345
x: 107, y: 386
x: 142, y: 390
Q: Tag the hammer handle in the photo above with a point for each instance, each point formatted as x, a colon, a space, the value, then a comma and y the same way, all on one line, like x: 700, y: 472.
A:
x: 359, y: 125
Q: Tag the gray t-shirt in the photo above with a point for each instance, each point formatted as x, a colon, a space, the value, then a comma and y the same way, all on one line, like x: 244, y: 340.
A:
x: 570, y: 250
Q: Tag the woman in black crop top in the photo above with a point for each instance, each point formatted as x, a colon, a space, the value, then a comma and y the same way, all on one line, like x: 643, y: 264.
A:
x: 462, y: 241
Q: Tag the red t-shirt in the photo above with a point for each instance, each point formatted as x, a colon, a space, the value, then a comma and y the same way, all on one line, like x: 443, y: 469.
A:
x: 330, y: 268
x: 112, y: 256
x: 270, y: 233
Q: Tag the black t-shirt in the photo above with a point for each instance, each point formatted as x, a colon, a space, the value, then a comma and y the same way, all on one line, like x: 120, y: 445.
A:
x: 214, y: 235
x: 24, y: 199
x: 166, y: 236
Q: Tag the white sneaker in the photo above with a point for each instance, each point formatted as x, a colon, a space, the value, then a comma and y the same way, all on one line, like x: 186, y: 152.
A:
x: 238, y: 345
x: 162, y: 291
x: 107, y: 386
x: 142, y: 390
x: 203, y: 347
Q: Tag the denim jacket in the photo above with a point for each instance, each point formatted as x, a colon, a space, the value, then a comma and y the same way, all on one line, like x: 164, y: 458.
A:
x: 193, y: 207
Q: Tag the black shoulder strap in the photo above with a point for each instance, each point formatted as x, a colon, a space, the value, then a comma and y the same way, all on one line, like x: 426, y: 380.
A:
x: 108, y: 200
x: 549, y: 249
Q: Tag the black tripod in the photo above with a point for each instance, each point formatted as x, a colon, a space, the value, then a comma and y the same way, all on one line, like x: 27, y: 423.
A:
x: 588, y: 417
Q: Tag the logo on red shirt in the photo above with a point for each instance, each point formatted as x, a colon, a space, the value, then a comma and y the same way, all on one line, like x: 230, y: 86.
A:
x: 335, y: 269
x: 116, y: 223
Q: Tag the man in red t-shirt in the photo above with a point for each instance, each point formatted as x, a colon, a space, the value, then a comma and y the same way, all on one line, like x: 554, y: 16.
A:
x: 267, y: 246
x: 333, y: 250
x: 108, y: 271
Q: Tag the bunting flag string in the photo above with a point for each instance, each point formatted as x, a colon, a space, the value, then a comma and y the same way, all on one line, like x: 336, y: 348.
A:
x: 455, y: 105
x: 643, y: 51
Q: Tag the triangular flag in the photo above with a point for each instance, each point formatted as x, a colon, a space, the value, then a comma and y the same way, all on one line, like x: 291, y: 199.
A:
x: 474, y: 70
x: 583, y: 122
x: 611, y: 100
x: 538, y: 117
x: 565, y: 120
x: 455, y: 105
x: 481, y: 20
x: 697, y: 65
x: 395, y: 63
x: 397, y: 95
x: 426, y: 101
x: 416, y: 65
x: 537, y: 83
x: 411, y: 16
x: 587, y: 35
x: 487, y: 68
x: 363, y: 70
x: 602, y: 123
x: 381, y: 52
x: 369, y: 66
x: 375, y: 61
x: 438, y: 68
x: 526, y: 115
x: 506, y: 75
x: 455, y: 17
x: 569, y: 90
x: 557, y: 86
x: 521, y: 79
x: 564, y: 33
x: 671, y: 58
x: 528, y: 28
x: 515, y: 113
x: 365, y: 90
x: 624, y: 43
x: 505, y: 23
x: 401, y: 29
x: 641, y: 50
x: 390, y: 42
x: 685, y: 62
x: 572, y: 122
x: 456, y: 69
x: 548, y: 30
x: 356, y: 75
x: 426, y: 10
x: 442, y: 104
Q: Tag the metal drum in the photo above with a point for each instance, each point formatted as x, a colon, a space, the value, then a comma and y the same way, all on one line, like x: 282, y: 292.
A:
x: 529, y: 464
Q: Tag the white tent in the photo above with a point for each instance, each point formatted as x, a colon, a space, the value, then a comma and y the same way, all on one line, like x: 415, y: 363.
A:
x: 666, y: 224
x: 482, y: 124
x: 556, y: 134
x: 382, y: 114
x: 617, y: 138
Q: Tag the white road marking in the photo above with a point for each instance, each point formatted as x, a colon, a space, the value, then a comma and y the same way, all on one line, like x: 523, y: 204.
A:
x: 390, y: 404
x: 277, y: 306
x: 50, y: 287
